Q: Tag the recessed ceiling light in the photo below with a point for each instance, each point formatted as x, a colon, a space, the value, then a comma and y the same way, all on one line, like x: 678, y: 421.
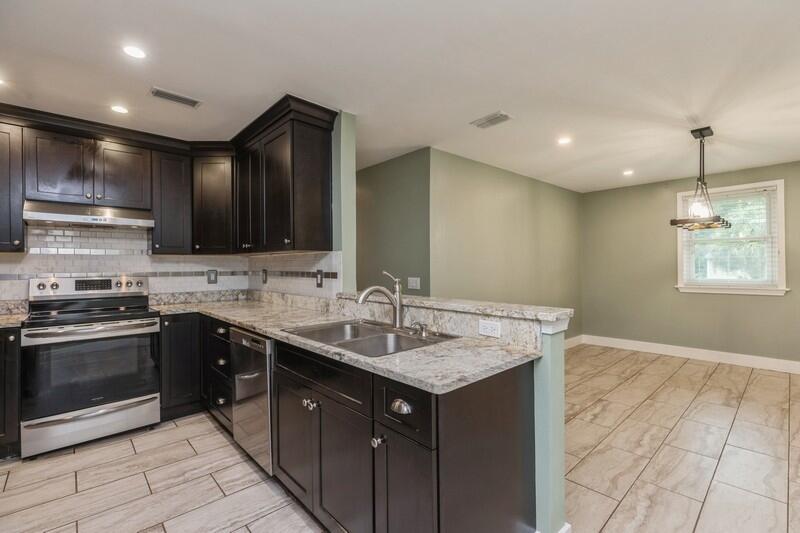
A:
x: 563, y: 141
x: 134, y: 51
x: 119, y: 109
x: 2, y: 82
x: 627, y: 173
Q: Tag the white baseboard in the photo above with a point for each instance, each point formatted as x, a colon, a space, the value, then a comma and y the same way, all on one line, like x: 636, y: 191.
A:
x: 755, y: 361
x: 566, y: 528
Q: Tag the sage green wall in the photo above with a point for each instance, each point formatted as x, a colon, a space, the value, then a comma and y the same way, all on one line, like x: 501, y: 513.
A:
x: 393, y: 228
x: 344, y: 196
x: 501, y: 236
x: 630, y: 270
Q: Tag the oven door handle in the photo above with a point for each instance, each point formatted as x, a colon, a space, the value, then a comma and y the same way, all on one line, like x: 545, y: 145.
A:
x: 99, y: 412
x: 55, y: 336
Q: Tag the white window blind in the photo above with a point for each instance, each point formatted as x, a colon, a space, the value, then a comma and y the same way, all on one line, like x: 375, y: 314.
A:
x: 748, y: 257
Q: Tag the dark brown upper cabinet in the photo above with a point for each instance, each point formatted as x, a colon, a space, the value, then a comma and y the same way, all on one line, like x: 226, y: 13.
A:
x: 58, y: 167
x: 212, y: 193
x: 121, y: 176
x: 172, y: 204
x: 12, y: 232
x: 249, y: 201
x: 295, y: 144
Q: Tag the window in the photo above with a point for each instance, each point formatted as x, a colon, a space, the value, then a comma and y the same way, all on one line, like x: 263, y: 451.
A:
x: 748, y: 257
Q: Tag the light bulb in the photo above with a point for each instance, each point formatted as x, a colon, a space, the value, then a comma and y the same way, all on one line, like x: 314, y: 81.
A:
x: 699, y: 209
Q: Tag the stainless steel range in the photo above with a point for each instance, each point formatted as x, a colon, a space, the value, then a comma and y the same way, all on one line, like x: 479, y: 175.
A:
x: 90, y: 361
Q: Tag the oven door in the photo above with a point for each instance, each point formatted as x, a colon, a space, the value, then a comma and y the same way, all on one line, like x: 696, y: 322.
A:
x: 70, y: 368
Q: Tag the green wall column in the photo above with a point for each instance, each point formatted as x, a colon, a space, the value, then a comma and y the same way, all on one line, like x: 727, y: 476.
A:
x: 548, y: 376
x: 344, y: 196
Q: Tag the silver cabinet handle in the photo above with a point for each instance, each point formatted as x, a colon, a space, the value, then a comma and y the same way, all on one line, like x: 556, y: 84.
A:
x: 16, y: 242
x: 196, y: 246
x: 158, y: 246
x: 306, y: 401
x: 401, y: 407
x: 377, y: 441
x: 221, y: 331
x: 98, y: 196
x: 166, y: 323
x: 312, y: 404
x: 221, y: 401
x: 11, y: 338
x: 287, y: 240
x: 222, y: 362
x: 88, y: 196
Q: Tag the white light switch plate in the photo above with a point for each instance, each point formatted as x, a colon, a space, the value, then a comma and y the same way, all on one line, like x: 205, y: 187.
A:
x: 413, y: 283
x: 489, y: 328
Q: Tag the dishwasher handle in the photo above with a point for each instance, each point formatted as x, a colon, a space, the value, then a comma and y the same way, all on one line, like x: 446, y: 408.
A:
x: 250, y: 384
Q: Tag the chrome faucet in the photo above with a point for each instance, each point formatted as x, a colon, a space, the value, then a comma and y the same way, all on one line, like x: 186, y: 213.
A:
x: 395, y: 299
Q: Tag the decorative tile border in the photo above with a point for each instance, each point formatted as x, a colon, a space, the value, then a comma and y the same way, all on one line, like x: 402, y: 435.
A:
x: 165, y: 274
x: 298, y: 274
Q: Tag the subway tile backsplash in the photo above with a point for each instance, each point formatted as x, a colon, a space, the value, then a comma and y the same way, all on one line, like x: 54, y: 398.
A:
x: 65, y: 251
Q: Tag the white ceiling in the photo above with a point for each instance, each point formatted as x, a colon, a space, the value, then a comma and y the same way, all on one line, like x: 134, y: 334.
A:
x: 626, y: 79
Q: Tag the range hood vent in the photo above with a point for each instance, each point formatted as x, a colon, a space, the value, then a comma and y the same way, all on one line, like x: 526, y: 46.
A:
x: 492, y: 119
x: 44, y: 213
x: 174, y: 97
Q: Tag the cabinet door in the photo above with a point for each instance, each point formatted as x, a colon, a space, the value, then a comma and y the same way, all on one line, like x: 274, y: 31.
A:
x: 292, y: 437
x: 258, y: 223
x: 9, y: 391
x: 277, y: 153
x: 180, y: 360
x: 121, y: 176
x: 247, y: 174
x: 58, y: 167
x: 343, y: 487
x: 12, y: 231
x: 212, y: 192
x: 311, y: 187
x: 405, y: 484
x: 172, y: 204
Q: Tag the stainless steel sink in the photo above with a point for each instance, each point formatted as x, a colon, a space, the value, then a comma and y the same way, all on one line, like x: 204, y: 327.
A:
x: 384, y: 344
x: 371, y: 339
x: 337, y: 332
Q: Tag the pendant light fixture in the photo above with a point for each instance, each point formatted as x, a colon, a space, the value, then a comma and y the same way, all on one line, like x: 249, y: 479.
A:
x: 701, y: 212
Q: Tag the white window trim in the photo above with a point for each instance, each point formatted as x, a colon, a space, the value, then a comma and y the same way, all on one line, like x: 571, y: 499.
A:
x: 756, y: 290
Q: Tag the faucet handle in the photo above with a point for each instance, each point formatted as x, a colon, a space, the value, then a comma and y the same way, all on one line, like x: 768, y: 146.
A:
x: 394, y: 279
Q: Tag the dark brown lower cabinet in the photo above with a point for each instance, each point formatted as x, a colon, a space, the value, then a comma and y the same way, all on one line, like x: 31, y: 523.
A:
x: 322, y: 454
x: 405, y: 484
x: 9, y: 392
x: 292, y: 450
x: 180, y: 365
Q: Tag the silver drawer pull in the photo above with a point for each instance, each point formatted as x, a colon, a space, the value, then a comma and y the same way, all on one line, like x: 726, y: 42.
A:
x: 377, y: 441
x: 221, y: 331
x: 401, y: 407
x: 221, y: 401
x: 222, y: 362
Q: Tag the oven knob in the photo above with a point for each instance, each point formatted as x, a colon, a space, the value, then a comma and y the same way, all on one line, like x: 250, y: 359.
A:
x: 129, y: 284
x: 41, y: 286
x: 54, y: 285
x: 139, y: 283
x: 118, y: 284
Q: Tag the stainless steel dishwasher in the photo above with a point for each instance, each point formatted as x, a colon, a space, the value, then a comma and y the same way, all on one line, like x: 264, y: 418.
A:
x: 251, y: 362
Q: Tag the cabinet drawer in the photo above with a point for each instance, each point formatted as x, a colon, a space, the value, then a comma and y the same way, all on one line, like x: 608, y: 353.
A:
x: 218, y: 356
x: 348, y: 385
x: 407, y: 410
x: 220, y: 401
x: 218, y: 328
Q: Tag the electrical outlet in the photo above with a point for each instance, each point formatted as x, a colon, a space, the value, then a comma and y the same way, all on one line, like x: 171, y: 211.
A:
x: 413, y: 283
x: 211, y: 277
x: 264, y: 276
x: 489, y: 328
x: 319, y: 276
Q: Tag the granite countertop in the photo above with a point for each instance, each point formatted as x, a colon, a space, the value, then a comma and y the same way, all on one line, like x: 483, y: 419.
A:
x: 438, y: 368
x: 523, y: 311
x: 12, y: 321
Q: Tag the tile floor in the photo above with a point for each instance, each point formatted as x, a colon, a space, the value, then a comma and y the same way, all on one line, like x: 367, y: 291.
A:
x: 667, y: 444
x: 181, y: 476
x: 654, y: 443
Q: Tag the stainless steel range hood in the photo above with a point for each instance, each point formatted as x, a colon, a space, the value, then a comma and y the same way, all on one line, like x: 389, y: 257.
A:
x: 40, y: 213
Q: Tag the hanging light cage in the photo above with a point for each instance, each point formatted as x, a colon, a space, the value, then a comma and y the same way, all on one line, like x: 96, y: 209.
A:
x: 701, y: 211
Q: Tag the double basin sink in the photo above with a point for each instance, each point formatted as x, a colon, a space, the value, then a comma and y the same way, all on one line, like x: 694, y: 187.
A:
x: 371, y: 339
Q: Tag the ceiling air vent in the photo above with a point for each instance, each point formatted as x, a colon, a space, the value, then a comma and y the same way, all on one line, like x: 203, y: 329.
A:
x: 174, y: 97
x: 491, y: 119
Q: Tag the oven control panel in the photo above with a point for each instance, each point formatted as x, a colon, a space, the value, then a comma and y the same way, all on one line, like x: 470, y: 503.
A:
x: 51, y: 288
